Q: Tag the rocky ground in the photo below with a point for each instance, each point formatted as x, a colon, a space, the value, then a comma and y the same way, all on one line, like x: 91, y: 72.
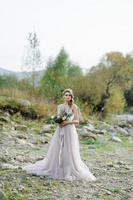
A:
x: 107, y: 151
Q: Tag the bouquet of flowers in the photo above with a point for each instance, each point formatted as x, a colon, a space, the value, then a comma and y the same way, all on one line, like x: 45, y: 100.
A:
x: 62, y: 117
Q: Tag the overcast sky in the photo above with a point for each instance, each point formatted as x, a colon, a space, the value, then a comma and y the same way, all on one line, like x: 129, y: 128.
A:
x: 87, y: 29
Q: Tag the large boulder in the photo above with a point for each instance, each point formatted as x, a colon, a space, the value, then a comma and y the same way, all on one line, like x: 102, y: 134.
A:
x: 47, y: 128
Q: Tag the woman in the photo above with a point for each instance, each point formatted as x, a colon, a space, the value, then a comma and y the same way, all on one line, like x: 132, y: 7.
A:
x: 63, y: 160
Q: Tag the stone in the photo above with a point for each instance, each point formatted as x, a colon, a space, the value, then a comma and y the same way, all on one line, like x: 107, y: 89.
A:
x: 4, y: 119
x: 97, y: 131
x: 122, y: 131
x: 47, y: 128
x: 20, y: 127
x: 22, y: 136
x: 89, y: 127
x: 116, y: 139
x: 2, y: 195
x: 25, y: 102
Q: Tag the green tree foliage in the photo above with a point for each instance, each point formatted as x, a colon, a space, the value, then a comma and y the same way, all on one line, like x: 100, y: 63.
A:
x: 116, y: 102
x: 129, y: 97
x: 8, y: 81
x: 95, y: 88
x: 129, y: 91
x: 59, y: 74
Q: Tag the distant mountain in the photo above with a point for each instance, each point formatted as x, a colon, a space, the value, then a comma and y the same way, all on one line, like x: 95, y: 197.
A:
x: 5, y: 71
x: 20, y: 75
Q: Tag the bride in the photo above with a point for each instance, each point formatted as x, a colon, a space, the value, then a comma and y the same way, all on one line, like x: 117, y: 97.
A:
x: 63, y: 159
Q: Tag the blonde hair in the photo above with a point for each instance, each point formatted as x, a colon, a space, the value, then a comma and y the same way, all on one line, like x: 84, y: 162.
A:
x: 71, y: 93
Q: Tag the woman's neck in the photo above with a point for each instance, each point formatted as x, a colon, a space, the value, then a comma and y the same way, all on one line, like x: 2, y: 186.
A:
x: 68, y: 104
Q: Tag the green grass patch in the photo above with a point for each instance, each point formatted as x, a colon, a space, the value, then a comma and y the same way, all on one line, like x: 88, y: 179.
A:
x: 115, y: 190
x: 97, y: 144
x: 126, y: 141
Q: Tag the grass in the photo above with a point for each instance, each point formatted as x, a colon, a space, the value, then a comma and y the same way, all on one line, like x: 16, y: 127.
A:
x: 11, y: 99
x: 17, y: 185
x: 126, y: 141
x: 115, y: 190
x: 105, y: 144
x: 97, y: 144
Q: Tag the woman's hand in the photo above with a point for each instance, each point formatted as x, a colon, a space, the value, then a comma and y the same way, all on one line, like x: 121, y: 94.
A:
x: 63, y: 124
x: 68, y: 122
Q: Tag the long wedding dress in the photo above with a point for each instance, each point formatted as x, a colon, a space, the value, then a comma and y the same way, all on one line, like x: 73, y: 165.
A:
x: 63, y: 159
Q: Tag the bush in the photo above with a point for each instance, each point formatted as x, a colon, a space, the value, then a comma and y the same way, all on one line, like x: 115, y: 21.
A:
x: 116, y: 103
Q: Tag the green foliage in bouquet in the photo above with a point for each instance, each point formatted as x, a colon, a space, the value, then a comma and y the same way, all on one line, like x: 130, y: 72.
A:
x: 62, y: 117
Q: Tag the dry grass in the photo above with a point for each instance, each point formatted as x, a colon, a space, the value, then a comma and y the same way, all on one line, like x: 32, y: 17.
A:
x: 39, y: 102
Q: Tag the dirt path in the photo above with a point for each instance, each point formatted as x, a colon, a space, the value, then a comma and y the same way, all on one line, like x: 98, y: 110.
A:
x: 111, y: 162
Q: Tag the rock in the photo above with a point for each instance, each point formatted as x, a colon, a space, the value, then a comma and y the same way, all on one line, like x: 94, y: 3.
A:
x: 116, y: 166
x: 114, y: 130
x: 20, y: 141
x: 2, y: 195
x: 116, y: 139
x: 1, y: 125
x: 4, y: 119
x: 111, y: 129
x: 9, y: 166
x: 40, y: 141
x: 131, y: 123
x: 20, y: 127
x: 7, y: 114
x: 103, y: 125
x: 25, y: 102
x: 128, y: 167
x: 121, y: 131
x: 131, y: 132
x: 48, y: 135
x: 108, y: 192
x: 21, y: 188
x: 30, y: 145
x: 22, y: 136
x: 125, y: 120
x: 47, y: 128
x: 89, y: 127
x: 83, y: 132
x: 40, y: 158
x: 125, y: 126
x: 110, y: 164
x: 121, y: 163
x: 19, y: 158
x: 87, y: 135
x: 77, y: 196
x: 97, y: 131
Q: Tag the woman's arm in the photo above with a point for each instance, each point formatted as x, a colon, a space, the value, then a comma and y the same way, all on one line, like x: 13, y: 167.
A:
x: 75, y: 119
x: 69, y: 122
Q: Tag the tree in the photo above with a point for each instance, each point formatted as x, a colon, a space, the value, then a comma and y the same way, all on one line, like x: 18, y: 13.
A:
x: 32, y: 57
x: 59, y: 74
x: 8, y: 81
x: 129, y: 97
x: 113, y: 70
x: 95, y: 88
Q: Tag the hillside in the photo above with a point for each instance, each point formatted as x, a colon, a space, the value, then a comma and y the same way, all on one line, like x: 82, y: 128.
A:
x: 19, y: 75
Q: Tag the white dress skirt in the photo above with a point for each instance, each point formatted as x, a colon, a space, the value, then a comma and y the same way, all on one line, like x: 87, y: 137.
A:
x: 63, y: 159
